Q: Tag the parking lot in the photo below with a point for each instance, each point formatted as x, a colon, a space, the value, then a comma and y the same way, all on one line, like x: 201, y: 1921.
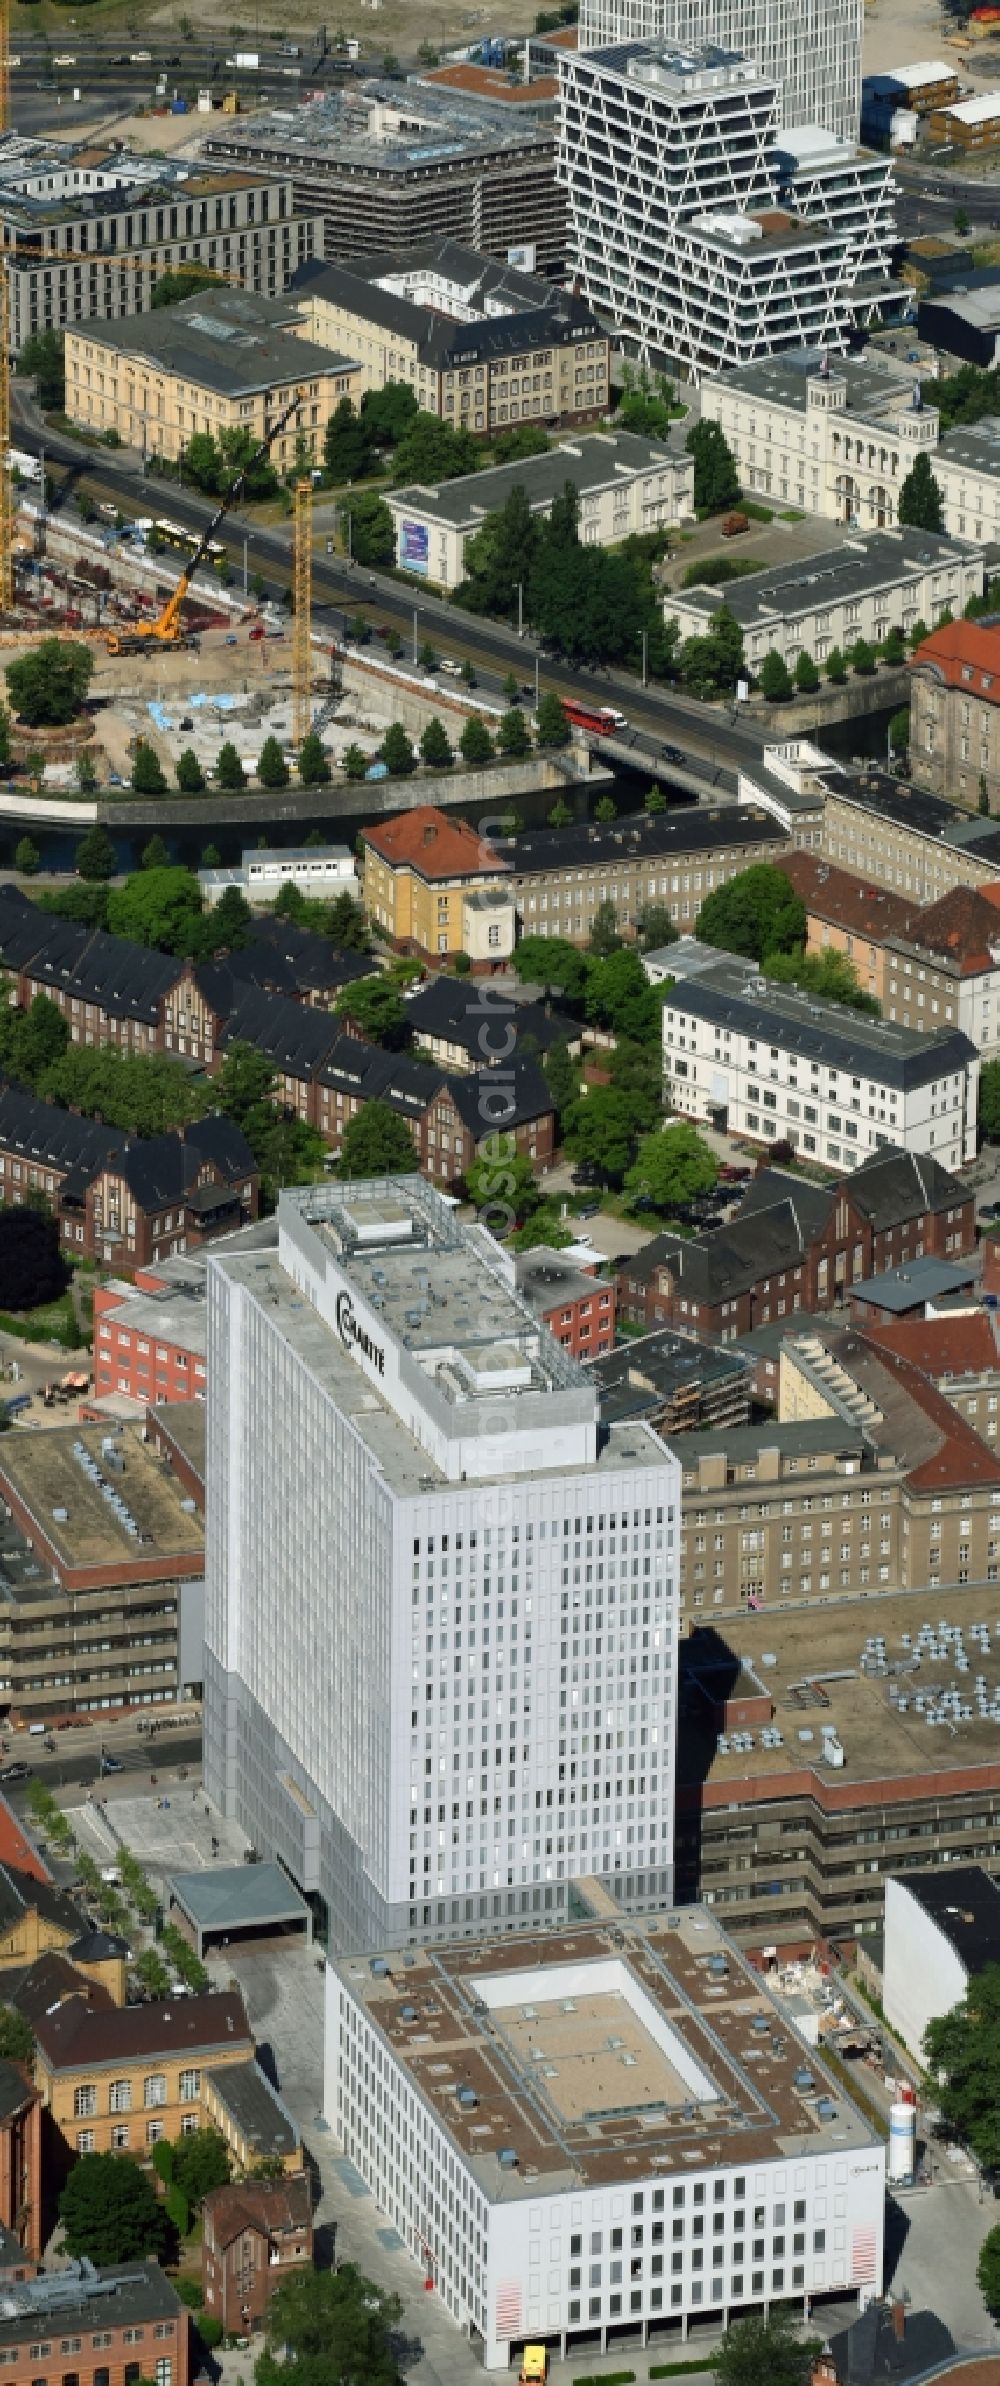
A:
x: 169, y: 1830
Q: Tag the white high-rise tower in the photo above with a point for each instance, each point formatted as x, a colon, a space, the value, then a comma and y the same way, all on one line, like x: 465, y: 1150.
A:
x: 810, y: 48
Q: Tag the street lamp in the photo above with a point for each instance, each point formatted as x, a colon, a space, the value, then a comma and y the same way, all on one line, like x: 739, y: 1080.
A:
x: 645, y: 655
x: 414, y: 637
x: 520, y: 609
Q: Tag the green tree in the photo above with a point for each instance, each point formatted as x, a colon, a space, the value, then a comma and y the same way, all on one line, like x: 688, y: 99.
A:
x: 806, y: 674
x: 31, y: 1041
x: 159, y: 908
x: 246, y: 1080
x: 774, y: 678
x: 377, y: 1142
x: 988, y: 2270
x: 314, y: 766
x: 654, y: 801
x: 95, y: 854
x: 435, y: 746
x: 27, y: 858
x: 835, y: 667
x: 712, y: 663
x: 375, y: 1008
x: 147, y: 771
x: 154, y: 856
x: 861, y: 657
x: 353, y: 762
x: 562, y: 1076
x: 605, y: 934
x: 513, y: 735
x: 388, y: 413
x: 600, y: 1130
x: 759, y: 2352
x: 620, y: 997
x: 48, y: 686
x: 86, y: 768
x: 427, y: 657
x: 716, y: 480
x: 201, y: 2162
x: 921, y: 506
x: 211, y: 858
x: 228, y: 927
x: 560, y: 815
x: 17, y: 2044
x: 346, y: 445
x: 989, y: 1101
x: 397, y: 751
x: 551, y: 725
x: 894, y: 646
x: 172, y: 287
x: 962, y: 221
x: 431, y: 450
x: 499, y: 558
x: 515, y: 446
x: 636, y: 1070
x: 655, y: 927
x: 899, y: 730
x: 757, y: 912
x: 272, y: 769
x: 475, y: 743
x: 830, y: 975
x: 330, y: 2328
x: 373, y: 531
x: 502, y: 1186
x: 553, y: 962
x: 962, y: 2050
x: 605, y: 810
x: 43, y: 356
x: 189, y: 773
x: 110, y: 2211
x: 229, y: 769
x: 671, y: 1167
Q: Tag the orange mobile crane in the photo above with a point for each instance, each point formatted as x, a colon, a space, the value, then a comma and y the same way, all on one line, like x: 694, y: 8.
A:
x: 167, y: 629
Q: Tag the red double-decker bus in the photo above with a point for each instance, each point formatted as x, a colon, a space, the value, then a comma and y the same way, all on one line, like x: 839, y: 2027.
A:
x: 601, y: 719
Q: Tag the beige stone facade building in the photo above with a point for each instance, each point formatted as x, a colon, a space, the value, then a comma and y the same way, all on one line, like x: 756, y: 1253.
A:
x: 224, y: 361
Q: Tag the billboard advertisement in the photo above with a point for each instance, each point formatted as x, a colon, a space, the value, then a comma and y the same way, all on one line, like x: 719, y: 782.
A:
x: 414, y: 546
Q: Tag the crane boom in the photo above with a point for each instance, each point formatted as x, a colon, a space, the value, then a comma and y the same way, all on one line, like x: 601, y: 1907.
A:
x: 164, y: 629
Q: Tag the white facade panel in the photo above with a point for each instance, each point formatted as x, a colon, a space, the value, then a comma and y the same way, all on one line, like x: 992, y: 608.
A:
x: 922, y: 1973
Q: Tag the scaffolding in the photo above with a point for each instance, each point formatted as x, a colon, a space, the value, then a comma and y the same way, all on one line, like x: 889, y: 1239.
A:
x: 302, y: 614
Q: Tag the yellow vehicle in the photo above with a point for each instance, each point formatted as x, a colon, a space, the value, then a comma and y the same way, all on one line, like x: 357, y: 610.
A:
x: 167, y: 629
x: 534, y: 2365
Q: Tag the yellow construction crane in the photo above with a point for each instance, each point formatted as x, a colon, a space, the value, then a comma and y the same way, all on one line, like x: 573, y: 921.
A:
x: 6, y: 482
x: 167, y: 629
x: 302, y: 614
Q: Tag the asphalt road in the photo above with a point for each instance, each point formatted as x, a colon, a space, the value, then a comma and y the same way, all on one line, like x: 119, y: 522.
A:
x: 75, y: 1761
x: 656, y: 716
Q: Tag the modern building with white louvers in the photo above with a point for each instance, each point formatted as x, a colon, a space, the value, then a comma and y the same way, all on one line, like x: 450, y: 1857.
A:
x: 442, y: 1605
x: 811, y: 49
x: 768, y: 1061
x: 603, y: 2133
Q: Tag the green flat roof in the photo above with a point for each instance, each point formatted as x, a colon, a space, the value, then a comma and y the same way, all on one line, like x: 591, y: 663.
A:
x: 237, y: 1897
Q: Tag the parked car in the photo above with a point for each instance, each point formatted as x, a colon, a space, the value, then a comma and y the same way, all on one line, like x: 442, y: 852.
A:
x: 16, y: 1772
x: 112, y: 1764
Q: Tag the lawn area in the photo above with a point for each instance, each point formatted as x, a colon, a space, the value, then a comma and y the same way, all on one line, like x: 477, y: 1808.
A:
x: 54, y: 1321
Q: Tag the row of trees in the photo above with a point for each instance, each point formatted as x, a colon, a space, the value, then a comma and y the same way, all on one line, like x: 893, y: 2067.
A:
x: 477, y: 745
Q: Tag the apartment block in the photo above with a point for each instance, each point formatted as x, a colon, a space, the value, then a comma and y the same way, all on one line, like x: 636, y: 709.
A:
x: 624, y: 484
x: 391, y: 167
x: 708, y: 2184
x: 955, y: 712
x: 887, y: 580
x: 766, y: 1061
x: 482, y: 344
x: 794, y: 1246
x: 420, y: 875
x: 936, y: 965
x: 896, y: 834
x: 224, y: 361
x: 682, y: 224
x: 87, y: 232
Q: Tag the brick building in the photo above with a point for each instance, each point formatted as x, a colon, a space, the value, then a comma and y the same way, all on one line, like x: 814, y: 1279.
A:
x: 149, y: 1337
x: 118, y: 2082
x: 21, y: 2159
x: 115, y: 2326
x: 576, y: 1304
x: 798, y: 1246
x: 167, y: 1193
x: 252, y: 2236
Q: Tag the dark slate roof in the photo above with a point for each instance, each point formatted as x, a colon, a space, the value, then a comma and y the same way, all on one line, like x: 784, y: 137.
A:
x: 162, y: 1169
x: 294, y: 1038
x: 98, y: 1946
x: 732, y: 1259
x: 687, y: 829
x: 272, y: 2207
x: 54, y: 1137
x: 870, y: 2348
x: 20, y: 1893
x: 15, y: 2090
x: 771, y: 1186
x: 903, y: 1057
x: 490, y: 1101
x: 47, y: 1982
x: 77, y: 2033
x: 314, y: 962
x: 256, y: 2108
x: 441, y: 341
x: 964, y: 1902
x: 454, y: 1011
x: 893, y: 1187
x: 127, y: 979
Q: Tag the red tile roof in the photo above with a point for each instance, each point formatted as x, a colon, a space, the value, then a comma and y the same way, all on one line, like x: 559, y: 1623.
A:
x: 844, y: 900
x: 941, y: 1346
x: 427, y: 841
x: 15, y: 1850
x: 964, y: 654
x: 961, y: 1458
x: 492, y: 83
